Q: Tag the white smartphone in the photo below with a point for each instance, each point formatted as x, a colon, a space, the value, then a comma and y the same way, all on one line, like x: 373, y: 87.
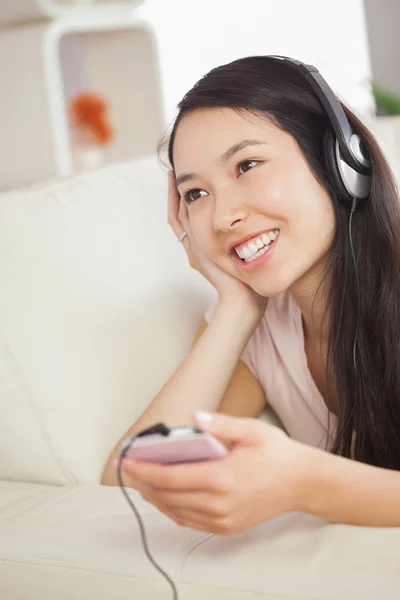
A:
x: 162, y: 444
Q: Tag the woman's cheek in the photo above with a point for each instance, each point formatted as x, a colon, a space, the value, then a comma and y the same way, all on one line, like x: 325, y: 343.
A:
x: 203, y: 240
x: 268, y: 196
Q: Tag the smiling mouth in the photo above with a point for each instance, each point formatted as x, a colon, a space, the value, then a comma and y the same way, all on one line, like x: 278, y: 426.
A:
x: 256, y: 247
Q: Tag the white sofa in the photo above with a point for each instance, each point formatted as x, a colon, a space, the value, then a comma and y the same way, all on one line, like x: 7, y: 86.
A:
x: 98, y: 305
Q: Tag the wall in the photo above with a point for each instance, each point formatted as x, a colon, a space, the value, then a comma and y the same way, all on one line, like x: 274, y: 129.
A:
x: 383, y: 26
x: 194, y: 37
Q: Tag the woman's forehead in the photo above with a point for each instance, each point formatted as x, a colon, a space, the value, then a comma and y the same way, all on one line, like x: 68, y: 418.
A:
x: 205, y: 134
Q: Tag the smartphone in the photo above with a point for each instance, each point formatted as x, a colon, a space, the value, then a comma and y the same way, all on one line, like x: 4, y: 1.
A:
x: 161, y: 444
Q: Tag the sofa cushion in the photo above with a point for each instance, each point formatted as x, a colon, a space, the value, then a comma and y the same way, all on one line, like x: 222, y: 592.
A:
x: 83, y: 541
x: 98, y: 306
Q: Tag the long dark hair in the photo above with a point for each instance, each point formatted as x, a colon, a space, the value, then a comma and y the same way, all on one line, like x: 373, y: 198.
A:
x: 370, y: 403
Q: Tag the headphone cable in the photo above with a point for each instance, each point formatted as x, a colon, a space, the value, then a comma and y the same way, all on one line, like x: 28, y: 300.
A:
x: 348, y: 422
x: 125, y: 448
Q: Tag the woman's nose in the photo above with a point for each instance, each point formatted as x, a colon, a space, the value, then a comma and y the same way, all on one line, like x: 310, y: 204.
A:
x: 229, y: 211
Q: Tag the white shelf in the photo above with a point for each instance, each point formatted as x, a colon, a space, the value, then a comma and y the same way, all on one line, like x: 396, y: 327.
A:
x: 21, y: 11
x: 46, y: 64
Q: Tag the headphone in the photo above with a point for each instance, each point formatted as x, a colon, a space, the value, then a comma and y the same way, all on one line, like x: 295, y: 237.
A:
x: 343, y: 151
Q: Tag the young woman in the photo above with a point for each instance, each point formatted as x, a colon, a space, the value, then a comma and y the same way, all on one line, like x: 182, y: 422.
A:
x: 261, y: 216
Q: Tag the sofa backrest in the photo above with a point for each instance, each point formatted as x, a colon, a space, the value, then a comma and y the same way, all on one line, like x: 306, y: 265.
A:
x: 98, y: 306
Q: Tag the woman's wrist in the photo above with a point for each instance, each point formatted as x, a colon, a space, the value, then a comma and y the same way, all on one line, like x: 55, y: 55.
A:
x: 241, y: 322
x: 309, y: 479
x: 242, y: 308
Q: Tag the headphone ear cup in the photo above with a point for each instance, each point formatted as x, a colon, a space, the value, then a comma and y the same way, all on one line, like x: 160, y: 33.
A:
x: 330, y: 162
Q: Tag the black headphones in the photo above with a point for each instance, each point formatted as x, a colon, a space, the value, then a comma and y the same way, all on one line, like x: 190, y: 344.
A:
x: 344, y: 153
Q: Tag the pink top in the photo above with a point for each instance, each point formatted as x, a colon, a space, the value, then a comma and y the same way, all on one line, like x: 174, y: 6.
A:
x: 275, y: 355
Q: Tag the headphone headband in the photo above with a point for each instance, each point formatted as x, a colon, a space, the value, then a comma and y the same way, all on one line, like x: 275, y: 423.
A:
x: 336, y: 114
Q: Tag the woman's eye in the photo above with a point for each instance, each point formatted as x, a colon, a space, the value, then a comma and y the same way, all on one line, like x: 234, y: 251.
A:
x: 189, y: 195
x: 247, y: 162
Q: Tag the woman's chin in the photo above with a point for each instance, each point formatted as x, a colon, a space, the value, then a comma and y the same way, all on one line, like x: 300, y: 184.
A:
x: 271, y: 290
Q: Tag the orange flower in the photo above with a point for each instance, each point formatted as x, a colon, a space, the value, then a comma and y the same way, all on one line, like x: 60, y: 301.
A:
x: 89, y: 111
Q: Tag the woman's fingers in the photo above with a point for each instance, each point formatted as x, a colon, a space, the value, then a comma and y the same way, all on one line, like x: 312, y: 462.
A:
x: 173, y: 205
x: 182, y: 516
x: 177, y: 216
x: 183, y: 214
x: 185, y: 521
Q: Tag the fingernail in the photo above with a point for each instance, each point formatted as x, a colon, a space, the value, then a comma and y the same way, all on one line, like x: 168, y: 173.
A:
x: 203, y: 416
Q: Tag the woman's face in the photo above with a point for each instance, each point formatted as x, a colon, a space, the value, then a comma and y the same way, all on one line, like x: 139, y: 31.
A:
x: 262, y: 185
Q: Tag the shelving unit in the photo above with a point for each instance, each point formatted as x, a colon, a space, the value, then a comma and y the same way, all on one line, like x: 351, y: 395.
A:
x: 45, y: 64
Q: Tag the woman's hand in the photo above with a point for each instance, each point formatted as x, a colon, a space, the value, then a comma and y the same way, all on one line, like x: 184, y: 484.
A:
x: 227, y: 286
x: 263, y: 476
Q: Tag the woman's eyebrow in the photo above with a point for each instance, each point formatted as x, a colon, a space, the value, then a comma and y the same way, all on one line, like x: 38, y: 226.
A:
x: 223, y: 158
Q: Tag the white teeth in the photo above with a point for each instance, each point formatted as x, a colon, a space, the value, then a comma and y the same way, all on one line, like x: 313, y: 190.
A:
x: 259, y: 253
x: 265, y: 238
x: 253, y: 247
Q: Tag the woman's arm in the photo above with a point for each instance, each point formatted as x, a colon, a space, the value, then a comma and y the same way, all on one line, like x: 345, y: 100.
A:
x: 203, y: 377
x: 345, y: 491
